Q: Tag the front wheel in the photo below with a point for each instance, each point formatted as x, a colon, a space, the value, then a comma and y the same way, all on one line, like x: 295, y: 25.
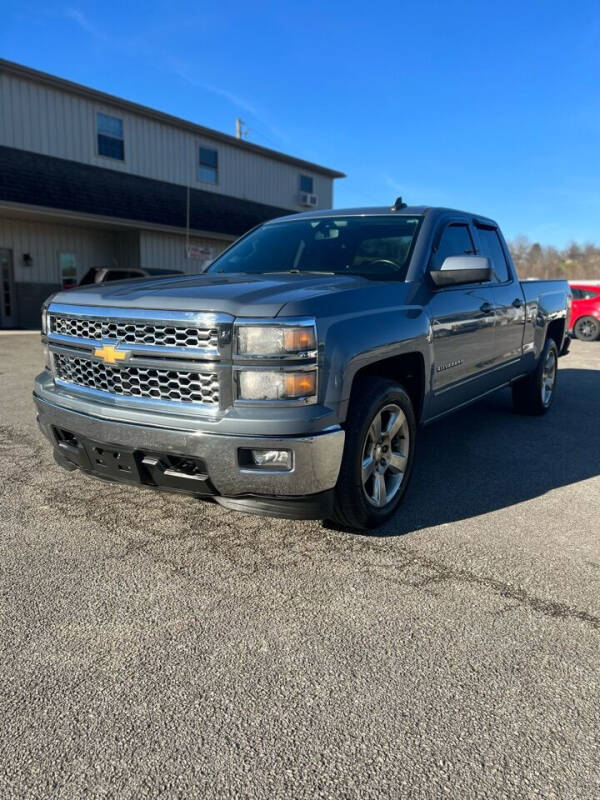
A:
x: 534, y: 393
x: 378, y: 454
x: 587, y: 329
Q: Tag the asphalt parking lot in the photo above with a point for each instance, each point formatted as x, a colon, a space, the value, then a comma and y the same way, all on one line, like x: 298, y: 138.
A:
x: 154, y: 646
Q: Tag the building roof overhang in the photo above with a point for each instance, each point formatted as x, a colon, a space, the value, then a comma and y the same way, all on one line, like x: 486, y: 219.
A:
x: 44, y: 182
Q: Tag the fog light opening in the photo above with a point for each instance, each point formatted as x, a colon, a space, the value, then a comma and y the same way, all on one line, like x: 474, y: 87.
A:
x: 266, y: 459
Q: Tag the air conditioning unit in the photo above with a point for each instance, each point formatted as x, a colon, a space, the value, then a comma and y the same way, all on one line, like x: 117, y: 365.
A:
x: 309, y: 200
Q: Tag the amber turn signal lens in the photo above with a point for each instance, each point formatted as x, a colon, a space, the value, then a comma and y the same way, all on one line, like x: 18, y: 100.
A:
x: 300, y: 384
x: 296, y: 340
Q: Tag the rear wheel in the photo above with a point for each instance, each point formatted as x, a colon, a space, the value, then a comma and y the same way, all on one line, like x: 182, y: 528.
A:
x: 534, y: 393
x: 587, y: 329
x: 378, y: 454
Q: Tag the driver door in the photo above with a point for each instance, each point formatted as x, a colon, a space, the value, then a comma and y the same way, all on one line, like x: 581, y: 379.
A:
x: 462, y: 322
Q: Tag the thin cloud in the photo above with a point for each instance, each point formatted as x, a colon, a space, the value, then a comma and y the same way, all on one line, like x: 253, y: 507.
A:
x: 183, y: 72
x: 83, y: 22
x: 131, y: 46
x: 235, y: 100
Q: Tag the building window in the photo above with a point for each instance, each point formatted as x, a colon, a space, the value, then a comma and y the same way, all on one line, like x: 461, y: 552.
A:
x: 306, y: 184
x: 208, y: 167
x: 110, y: 136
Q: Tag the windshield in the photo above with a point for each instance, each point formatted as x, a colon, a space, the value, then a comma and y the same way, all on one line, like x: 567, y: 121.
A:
x: 376, y: 247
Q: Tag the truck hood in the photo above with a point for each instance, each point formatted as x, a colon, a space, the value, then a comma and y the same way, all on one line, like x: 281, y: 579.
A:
x: 236, y: 294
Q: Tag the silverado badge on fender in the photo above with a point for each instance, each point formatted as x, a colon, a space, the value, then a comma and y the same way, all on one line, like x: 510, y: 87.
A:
x: 456, y: 363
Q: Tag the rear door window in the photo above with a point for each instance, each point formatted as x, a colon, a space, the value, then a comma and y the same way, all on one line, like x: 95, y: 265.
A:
x: 492, y: 248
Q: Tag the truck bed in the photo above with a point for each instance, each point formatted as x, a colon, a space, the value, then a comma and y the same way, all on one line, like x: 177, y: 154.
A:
x: 552, y: 292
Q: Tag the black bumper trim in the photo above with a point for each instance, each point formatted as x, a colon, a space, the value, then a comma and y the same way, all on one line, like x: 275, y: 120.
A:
x: 116, y: 464
x: 313, y: 506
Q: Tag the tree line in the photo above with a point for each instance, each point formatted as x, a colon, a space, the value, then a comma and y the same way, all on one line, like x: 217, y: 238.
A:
x: 534, y: 260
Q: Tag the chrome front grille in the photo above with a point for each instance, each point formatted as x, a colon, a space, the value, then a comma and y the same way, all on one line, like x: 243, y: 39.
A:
x: 142, y: 382
x: 132, y: 332
x: 181, y: 359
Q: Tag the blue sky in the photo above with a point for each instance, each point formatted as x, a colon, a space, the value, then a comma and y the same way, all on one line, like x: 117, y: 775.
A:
x: 492, y: 107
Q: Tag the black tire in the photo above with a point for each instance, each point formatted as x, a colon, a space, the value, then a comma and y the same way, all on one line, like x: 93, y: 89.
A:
x: 528, y: 394
x: 373, y: 398
x: 587, y: 329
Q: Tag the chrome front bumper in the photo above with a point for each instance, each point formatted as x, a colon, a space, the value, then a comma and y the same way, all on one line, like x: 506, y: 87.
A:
x: 315, y: 466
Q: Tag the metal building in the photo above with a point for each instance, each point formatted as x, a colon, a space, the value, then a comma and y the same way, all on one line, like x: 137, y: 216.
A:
x: 88, y: 180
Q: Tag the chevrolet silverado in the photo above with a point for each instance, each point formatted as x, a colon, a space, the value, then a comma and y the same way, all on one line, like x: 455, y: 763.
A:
x: 291, y: 378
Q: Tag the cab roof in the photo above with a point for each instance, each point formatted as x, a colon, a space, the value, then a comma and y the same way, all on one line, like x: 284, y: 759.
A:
x: 387, y: 211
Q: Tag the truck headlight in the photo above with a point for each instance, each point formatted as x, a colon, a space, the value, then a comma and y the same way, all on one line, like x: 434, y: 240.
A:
x: 276, y: 340
x: 44, y: 321
x: 276, y: 385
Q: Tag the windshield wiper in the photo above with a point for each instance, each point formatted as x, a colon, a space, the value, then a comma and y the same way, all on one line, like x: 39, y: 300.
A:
x: 298, y: 272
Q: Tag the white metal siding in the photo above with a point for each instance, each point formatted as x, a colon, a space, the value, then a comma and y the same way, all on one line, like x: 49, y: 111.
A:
x: 94, y: 247
x: 127, y: 248
x: 58, y: 123
x: 44, y: 241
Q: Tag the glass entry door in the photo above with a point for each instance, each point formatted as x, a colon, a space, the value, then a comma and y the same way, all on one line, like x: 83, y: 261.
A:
x: 8, y: 310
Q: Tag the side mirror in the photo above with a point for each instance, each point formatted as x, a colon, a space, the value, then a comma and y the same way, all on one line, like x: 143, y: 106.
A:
x: 462, y: 269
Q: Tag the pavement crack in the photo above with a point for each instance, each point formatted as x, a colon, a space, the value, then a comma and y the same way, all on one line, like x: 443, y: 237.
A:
x: 441, y: 573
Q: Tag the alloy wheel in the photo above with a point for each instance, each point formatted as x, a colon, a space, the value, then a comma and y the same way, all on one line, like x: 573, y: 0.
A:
x: 385, y: 455
x: 548, y: 377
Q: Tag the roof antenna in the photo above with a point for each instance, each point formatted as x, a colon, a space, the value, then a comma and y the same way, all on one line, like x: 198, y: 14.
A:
x: 398, y: 205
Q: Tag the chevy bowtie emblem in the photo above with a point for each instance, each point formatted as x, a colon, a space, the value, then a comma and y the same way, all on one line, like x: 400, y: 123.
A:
x: 110, y: 355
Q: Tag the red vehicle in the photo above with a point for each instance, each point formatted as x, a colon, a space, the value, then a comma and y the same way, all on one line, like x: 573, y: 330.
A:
x: 585, y: 314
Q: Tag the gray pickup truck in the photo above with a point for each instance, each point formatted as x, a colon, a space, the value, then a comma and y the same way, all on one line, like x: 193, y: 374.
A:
x: 290, y: 378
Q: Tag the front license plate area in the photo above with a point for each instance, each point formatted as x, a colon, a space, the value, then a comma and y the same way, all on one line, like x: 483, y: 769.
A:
x: 113, y: 464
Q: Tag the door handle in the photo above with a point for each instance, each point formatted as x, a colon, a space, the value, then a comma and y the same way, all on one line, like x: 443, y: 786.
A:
x: 486, y: 308
x: 517, y: 302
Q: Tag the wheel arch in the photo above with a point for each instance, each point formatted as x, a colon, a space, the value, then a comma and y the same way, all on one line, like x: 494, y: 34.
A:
x: 407, y: 369
x: 556, y: 330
